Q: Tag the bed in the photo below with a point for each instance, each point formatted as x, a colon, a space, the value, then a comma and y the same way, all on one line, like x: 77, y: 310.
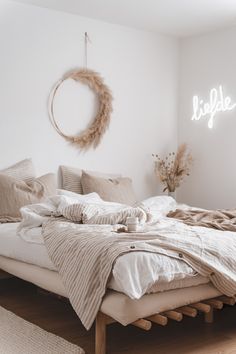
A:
x: 30, y: 261
x: 141, y: 286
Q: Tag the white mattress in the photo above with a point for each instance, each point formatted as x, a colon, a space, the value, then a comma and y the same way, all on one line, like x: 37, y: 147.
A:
x: 134, y: 274
x: 13, y: 246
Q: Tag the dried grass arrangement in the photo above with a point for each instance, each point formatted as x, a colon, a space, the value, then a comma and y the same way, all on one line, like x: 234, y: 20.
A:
x: 93, y: 134
x: 172, y: 169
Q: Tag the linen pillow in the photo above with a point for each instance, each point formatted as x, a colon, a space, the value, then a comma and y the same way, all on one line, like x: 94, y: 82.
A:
x: 119, y: 190
x: 71, y: 178
x: 15, y: 194
x: 21, y: 171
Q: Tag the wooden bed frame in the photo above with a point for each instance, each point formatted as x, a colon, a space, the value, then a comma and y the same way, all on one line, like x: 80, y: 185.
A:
x: 206, y: 307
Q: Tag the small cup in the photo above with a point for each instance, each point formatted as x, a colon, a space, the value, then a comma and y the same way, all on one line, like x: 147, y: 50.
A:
x: 132, y: 223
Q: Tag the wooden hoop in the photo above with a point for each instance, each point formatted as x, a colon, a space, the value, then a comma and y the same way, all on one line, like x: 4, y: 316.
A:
x: 93, y: 134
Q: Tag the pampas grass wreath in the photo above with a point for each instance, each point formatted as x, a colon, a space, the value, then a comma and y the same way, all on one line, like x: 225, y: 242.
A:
x: 90, y: 137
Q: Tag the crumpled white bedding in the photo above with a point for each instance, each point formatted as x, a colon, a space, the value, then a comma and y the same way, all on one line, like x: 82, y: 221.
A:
x: 152, y: 209
x: 133, y: 274
x: 139, y: 273
x: 34, y: 215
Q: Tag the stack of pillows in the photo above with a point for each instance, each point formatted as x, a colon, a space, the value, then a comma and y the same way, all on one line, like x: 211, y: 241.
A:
x: 110, y: 187
x: 19, y: 186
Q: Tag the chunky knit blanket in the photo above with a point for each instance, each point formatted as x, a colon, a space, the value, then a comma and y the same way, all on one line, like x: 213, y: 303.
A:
x: 224, y: 220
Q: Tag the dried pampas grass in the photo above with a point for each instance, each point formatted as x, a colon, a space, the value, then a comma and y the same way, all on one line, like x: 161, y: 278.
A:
x: 173, y: 168
x: 93, y: 134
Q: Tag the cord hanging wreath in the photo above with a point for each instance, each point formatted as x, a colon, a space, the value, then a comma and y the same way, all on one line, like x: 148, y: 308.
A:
x: 93, y: 134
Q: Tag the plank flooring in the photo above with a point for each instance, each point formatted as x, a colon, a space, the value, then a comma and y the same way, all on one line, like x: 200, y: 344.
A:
x: 191, y: 336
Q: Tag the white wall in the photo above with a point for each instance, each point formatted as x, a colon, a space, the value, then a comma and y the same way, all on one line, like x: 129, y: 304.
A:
x: 206, y: 62
x: 38, y: 46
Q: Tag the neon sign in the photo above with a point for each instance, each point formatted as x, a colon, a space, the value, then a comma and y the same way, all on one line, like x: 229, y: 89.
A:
x: 217, y: 103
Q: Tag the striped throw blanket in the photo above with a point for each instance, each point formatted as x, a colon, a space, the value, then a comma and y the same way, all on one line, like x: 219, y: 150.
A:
x: 84, y: 256
x: 88, y: 213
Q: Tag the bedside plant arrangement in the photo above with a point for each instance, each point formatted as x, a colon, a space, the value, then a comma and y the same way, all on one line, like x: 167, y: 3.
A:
x: 173, y: 168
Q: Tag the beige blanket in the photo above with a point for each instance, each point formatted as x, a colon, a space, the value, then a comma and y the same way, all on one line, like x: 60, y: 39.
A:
x: 84, y: 256
x: 224, y: 220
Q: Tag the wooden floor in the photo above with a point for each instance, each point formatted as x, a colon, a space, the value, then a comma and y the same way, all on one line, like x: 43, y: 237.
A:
x: 191, y: 336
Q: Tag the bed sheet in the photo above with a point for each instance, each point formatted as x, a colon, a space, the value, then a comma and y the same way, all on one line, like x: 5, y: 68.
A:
x: 13, y: 246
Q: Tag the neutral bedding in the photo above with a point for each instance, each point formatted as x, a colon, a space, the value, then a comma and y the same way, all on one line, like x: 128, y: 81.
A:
x: 224, y: 220
x: 85, y: 259
x: 133, y: 274
x: 13, y: 246
x: 92, y: 255
x: 19, y: 187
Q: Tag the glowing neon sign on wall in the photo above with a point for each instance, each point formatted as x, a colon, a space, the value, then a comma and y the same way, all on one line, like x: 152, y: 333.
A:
x: 217, y: 103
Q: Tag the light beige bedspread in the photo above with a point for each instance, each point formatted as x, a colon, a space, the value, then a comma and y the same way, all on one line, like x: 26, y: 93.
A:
x: 224, y: 220
x: 84, y: 256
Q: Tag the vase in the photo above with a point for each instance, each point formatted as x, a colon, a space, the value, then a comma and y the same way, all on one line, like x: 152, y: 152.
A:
x: 172, y: 194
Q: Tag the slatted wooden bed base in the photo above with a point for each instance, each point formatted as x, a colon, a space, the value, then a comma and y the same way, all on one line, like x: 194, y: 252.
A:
x: 207, y: 307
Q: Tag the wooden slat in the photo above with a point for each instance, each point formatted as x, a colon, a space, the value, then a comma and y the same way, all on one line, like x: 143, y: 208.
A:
x: 201, y: 307
x: 227, y: 300
x: 206, y: 306
x: 159, y: 319
x: 209, y: 317
x: 187, y: 311
x: 173, y: 315
x: 143, y: 324
x: 216, y: 304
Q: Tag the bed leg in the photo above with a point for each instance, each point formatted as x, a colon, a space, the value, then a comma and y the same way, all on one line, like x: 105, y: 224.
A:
x: 209, y: 317
x: 100, y: 336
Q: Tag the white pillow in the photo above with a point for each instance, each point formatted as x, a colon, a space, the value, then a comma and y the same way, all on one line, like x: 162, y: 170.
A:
x: 80, y: 197
x: 90, y: 198
x: 159, y: 205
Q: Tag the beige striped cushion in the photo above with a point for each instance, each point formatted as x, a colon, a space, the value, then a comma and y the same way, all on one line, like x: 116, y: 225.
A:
x: 119, y: 190
x: 71, y: 178
x: 16, y: 194
x: 21, y: 171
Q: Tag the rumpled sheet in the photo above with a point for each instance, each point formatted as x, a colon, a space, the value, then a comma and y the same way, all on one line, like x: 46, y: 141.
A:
x: 89, y: 209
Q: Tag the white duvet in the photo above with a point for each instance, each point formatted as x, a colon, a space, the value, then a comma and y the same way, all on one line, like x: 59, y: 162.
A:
x: 152, y: 209
x: 133, y: 274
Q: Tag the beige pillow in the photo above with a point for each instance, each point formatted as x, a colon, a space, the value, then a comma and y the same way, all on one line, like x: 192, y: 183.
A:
x: 119, y: 190
x: 71, y: 178
x: 21, y: 171
x: 16, y: 194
